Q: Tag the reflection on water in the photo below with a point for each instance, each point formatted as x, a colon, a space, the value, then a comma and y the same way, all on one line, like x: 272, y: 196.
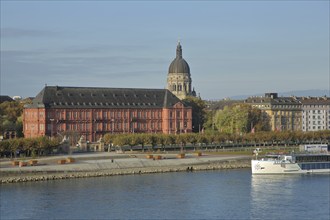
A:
x: 290, y: 196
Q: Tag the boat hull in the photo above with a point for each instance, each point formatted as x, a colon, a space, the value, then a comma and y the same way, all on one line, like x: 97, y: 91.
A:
x: 275, y: 167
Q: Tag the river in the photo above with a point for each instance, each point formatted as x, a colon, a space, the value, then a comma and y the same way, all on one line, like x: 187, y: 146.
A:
x: 225, y: 194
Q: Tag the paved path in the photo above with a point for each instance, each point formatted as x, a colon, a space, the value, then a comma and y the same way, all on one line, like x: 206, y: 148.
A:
x: 110, y: 160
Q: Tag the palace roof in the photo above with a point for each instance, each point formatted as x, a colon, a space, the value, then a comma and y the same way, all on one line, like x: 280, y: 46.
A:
x: 95, y: 97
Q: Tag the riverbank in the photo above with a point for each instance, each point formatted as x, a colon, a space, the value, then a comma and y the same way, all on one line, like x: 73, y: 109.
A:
x: 110, y: 164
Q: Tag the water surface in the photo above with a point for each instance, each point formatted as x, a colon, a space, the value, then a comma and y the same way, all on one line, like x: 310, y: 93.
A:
x: 231, y: 194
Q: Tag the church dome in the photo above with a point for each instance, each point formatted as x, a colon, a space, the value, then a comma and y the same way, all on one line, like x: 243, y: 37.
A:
x: 179, y: 65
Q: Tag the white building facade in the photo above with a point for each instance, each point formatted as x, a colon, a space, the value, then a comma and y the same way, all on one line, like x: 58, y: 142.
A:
x: 315, y: 113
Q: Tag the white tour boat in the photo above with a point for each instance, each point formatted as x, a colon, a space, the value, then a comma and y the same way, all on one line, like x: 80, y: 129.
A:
x: 287, y: 164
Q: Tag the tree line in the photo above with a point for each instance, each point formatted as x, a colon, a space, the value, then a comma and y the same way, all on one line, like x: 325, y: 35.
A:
x: 28, y: 147
x: 252, y: 139
x: 44, y: 145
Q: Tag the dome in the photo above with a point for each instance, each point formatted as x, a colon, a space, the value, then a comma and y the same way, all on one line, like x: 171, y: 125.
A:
x: 179, y: 65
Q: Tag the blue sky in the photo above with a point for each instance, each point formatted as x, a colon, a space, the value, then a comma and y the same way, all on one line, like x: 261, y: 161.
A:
x: 232, y: 47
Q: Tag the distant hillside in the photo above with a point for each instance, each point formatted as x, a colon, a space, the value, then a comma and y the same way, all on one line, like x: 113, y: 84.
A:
x: 311, y: 92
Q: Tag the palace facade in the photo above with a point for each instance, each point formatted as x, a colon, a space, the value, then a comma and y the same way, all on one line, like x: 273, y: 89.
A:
x: 93, y: 112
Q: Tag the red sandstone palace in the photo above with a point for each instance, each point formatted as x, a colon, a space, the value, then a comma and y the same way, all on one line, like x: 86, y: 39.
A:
x: 93, y: 112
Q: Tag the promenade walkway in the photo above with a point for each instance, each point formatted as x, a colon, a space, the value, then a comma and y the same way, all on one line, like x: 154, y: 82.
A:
x: 110, y: 160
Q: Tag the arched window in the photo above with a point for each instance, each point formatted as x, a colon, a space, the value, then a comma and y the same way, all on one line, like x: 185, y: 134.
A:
x: 174, y: 87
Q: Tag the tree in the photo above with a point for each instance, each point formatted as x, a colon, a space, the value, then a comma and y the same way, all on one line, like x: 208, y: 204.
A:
x: 240, y: 119
x: 209, y: 123
x: 151, y: 139
x: 132, y: 140
x: 120, y: 141
x: 198, y: 112
x: 11, y: 117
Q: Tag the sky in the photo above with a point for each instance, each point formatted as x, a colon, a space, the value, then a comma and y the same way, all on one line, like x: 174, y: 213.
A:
x: 232, y: 47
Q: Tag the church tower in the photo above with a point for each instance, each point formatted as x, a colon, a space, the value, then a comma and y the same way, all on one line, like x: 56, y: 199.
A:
x: 178, y: 78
